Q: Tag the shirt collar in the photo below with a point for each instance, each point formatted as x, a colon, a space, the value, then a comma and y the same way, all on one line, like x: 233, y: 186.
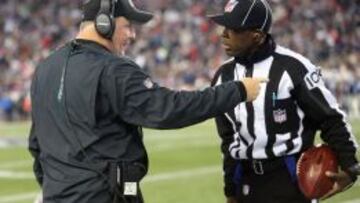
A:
x: 90, y: 43
x: 264, y: 51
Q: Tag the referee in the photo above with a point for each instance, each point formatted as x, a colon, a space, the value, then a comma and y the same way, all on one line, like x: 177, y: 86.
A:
x: 262, y: 140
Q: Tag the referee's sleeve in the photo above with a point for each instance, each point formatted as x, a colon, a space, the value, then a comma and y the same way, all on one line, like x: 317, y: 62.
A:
x: 322, y: 108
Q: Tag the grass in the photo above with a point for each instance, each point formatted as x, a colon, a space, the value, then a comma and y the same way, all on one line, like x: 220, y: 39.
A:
x: 18, y: 129
x: 185, y: 167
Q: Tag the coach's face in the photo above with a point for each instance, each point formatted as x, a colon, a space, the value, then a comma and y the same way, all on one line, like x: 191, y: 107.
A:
x: 238, y: 42
x: 123, y: 35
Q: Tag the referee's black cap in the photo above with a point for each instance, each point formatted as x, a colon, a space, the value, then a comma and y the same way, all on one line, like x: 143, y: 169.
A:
x: 125, y: 8
x: 245, y: 14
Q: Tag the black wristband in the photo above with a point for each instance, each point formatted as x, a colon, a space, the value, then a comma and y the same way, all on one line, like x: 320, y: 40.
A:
x: 242, y: 90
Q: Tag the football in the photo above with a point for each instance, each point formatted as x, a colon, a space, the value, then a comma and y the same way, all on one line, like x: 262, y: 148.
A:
x: 311, y: 169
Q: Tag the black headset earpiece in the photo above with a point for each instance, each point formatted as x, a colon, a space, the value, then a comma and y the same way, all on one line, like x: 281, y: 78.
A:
x: 104, y: 21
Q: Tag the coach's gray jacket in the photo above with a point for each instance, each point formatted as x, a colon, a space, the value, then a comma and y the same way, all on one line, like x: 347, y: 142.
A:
x: 88, y: 109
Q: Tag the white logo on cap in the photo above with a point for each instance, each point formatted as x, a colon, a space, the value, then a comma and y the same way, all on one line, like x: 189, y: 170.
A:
x: 230, y: 6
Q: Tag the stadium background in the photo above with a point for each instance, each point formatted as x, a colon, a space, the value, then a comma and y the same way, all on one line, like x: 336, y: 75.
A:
x: 181, y: 49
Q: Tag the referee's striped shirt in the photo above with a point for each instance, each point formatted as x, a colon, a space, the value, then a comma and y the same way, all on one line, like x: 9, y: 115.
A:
x: 289, y: 110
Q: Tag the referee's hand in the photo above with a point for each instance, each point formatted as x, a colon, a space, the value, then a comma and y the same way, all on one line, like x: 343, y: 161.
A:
x: 252, y: 86
x: 342, y: 182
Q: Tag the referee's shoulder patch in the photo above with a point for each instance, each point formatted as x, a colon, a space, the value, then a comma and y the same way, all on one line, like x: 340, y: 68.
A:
x: 314, y: 79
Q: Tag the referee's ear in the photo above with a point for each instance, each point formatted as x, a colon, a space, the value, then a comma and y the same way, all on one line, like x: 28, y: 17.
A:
x: 259, y: 37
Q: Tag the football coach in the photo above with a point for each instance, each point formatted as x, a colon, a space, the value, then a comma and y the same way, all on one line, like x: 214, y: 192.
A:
x: 89, y: 103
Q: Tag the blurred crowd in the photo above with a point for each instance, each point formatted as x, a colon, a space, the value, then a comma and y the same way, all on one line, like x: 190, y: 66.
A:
x: 180, y: 48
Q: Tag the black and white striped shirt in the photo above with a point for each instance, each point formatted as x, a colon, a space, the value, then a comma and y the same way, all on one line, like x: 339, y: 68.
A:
x: 290, y: 108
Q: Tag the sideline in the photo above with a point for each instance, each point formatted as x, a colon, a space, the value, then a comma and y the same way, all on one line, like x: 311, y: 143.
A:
x: 15, y: 164
x: 16, y: 175
x: 18, y: 197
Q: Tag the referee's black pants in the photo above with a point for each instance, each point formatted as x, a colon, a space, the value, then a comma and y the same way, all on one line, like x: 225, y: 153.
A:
x: 268, y: 183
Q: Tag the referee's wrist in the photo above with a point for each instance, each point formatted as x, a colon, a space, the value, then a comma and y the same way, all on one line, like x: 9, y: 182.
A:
x: 242, y: 90
x: 353, y: 171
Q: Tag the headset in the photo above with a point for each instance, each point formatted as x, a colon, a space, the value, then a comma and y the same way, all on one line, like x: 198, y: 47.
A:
x: 104, y: 21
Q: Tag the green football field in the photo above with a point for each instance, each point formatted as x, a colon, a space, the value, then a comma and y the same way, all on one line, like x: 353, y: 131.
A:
x: 185, y: 166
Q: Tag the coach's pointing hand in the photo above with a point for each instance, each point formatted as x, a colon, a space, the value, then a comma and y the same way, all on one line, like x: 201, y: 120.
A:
x: 252, y: 86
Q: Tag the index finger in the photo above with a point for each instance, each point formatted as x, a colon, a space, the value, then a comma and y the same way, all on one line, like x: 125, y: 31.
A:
x: 331, y: 175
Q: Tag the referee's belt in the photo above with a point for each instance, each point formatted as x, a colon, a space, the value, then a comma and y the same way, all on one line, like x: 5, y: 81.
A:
x: 262, y: 166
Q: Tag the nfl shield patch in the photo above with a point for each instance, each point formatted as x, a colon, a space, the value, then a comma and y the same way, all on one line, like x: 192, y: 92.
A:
x: 280, y: 115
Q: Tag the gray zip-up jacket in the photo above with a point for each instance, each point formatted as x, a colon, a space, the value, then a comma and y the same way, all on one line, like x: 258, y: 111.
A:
x: 88, y: 109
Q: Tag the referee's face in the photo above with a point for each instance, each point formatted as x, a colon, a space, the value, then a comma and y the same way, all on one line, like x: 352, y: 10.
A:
x: 238, y: 42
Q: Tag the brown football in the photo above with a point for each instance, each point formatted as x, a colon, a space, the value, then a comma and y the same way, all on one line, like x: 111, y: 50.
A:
x: 311, y: 169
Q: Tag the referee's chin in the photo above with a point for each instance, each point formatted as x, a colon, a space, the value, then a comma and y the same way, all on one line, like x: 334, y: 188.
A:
x: 230, y: 52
